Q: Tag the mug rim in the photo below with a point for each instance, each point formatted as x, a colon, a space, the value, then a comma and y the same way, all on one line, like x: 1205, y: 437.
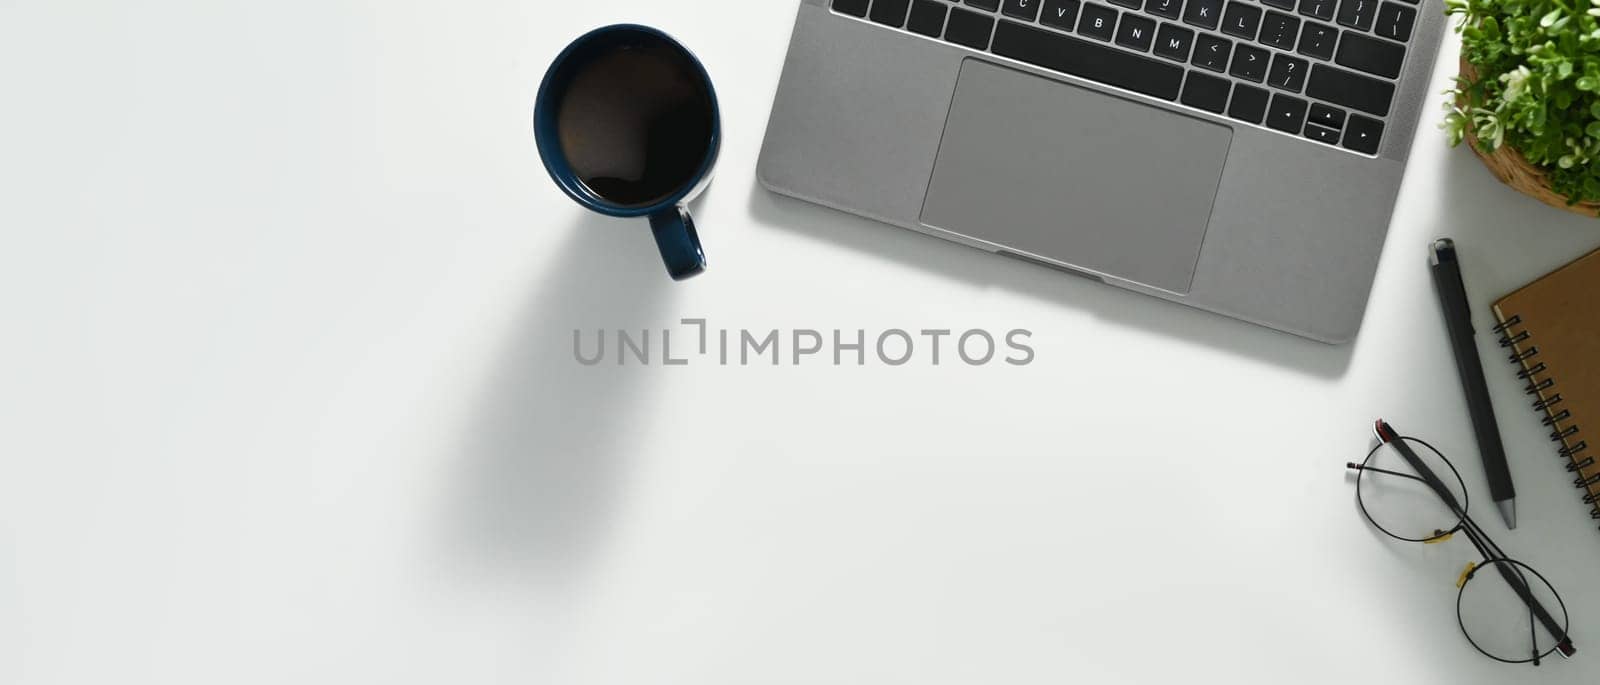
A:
x: 552, y: 156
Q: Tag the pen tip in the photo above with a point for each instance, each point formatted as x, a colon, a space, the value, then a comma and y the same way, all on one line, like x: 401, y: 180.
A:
x: 1508, y: 510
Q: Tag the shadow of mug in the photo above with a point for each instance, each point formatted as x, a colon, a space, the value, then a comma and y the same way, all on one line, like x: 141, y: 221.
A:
x: 545, y: 448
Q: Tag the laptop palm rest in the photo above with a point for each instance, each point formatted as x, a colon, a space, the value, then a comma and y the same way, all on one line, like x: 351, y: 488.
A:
x: 1072, y: 175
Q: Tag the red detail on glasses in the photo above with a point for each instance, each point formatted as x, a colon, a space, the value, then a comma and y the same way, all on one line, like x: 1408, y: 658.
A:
x: 1386, y: 432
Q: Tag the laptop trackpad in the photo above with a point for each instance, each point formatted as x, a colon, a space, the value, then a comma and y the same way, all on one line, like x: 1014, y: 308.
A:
x: 1069, y: 174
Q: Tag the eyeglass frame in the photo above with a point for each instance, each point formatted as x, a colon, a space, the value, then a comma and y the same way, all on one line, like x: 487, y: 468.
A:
x: 1388, y: 436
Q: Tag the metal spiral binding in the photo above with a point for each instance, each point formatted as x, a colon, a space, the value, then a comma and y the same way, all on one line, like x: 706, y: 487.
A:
x: 1537, y: 369
x: 1554, y: 415
x: 1514, y: 339
x: 1505, y: 326
x: 1546, y: 404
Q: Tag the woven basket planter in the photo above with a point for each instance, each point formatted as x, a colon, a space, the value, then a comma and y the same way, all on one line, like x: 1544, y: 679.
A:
x: 1516, y: 171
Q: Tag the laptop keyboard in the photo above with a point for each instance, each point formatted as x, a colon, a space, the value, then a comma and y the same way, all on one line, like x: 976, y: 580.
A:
x: 1322, y: 70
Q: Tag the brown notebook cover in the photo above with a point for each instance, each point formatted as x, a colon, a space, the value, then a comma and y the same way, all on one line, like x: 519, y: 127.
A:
x: 1553, y: 330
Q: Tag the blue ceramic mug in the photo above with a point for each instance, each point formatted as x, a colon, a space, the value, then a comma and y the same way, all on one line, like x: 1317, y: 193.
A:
x: 628, y: 126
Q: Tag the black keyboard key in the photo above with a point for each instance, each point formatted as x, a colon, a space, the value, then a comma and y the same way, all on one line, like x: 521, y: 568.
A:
x: 1136, y: 32
x: 1321, y: 9
x: 1288, y: 73
x: 1371, y: 55
x: 990, y: 5
x: 1287, y: 114
x: 1322, y: 134
x: 1396, y: 21
x: 1170, y: 9
x: 1363, y: 134
x: 969, y: 28
x: 927, y: 18
x: 1173, y: 42
x: 1249, y: 104
x: 1130, y: 4
x: 1279, y: 30
x: 1280, y: 4
x: 1241, y: 20
x: 1107, y: 65
x: 1061, y: 14
x: 1249, y: 63
x: 1203, y: 13
x: 1209, y: 93
x: 1317, y: 40
x: 854, y: 8
x: 1357, y: 13
x: 1098, y: 22
x: 1349, y: 89
x: 1211, y: 52
x: 1028, y: 10
x: 1326, y: 116
x: 890, y: 12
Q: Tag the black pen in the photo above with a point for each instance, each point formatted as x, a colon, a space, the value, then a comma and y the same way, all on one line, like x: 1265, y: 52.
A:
x: 1458, y: 318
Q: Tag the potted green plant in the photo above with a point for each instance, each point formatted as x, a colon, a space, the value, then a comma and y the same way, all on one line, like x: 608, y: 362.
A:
x: 1528, y: 97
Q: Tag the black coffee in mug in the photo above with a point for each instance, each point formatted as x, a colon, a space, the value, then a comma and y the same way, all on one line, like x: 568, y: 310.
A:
x: 627, y: 125
x: 635, y: 123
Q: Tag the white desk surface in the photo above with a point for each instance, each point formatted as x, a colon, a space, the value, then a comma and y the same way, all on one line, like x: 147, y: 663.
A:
x: 289, y: 397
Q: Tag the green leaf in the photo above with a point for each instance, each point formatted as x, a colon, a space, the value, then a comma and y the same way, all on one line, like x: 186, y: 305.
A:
x: 1553, y: 114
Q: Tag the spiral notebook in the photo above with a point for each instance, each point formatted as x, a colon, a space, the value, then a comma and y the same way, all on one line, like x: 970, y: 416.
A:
x: 1553, y: 329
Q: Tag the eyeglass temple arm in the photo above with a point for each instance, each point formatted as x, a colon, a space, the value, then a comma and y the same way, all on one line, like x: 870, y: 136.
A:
x: 1519, y: 584
x: 1390, y: 436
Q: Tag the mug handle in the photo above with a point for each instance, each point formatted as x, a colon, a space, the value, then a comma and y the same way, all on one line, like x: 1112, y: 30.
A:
x: 678, y: 242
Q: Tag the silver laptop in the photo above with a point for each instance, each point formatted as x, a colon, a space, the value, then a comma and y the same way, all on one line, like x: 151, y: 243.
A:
x: 1240, y: 156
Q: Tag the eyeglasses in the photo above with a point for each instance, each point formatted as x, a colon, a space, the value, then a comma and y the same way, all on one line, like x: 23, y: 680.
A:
x: 1503, y: 605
